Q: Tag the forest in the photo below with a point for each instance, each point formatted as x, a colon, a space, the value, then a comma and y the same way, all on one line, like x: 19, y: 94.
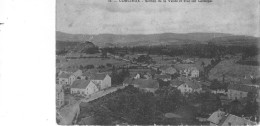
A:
x: 193, y: 50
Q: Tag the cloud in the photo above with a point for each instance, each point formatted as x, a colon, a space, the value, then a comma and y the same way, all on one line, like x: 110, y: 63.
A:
x: 95, y: 17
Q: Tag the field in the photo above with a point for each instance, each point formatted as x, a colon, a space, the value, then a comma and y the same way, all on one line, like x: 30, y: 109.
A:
x: 168, y: 60
x: 232, y: 71
x: 90, y: 61
x: 62, y: 45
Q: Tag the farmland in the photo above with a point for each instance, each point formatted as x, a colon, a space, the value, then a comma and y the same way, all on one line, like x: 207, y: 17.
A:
x: 232, y: 70
x: 91, y: 61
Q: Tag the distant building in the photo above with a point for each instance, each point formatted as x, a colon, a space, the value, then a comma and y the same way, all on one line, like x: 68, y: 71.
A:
x: 219, y: 91
x: 149, y: 85
x: 72, y: 74
x: 190, y: 87
x: 76, y: 72
x: 137, y: 76
x: 238, y: 91
x: 194, y: 73
x: 66, y: 78
x: 59, y: 96
x: 83, y: 87
x: 187, y: 61
x: 168, y: 70
x: 164, y: 77
x: 220, y: 118
x: 147, y: 76
x: 188, y: 70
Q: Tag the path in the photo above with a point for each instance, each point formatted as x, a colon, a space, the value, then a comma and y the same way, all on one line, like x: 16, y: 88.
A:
x: 102, y: 93
x: 70, y: 112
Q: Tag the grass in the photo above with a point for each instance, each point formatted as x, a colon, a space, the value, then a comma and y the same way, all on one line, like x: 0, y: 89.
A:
x: 92, y: 61
x: 232, y: 70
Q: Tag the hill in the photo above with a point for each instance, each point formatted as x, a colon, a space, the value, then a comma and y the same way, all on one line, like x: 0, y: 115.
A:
x: 139, y: 39
x: 235, y: 40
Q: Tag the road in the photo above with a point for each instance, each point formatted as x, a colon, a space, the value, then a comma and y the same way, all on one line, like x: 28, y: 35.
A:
x: 68, y: 114
x: 102, y: 93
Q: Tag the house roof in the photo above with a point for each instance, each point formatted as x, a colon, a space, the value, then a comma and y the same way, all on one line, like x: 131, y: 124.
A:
x: 98, y: 76
x: 64, y: 75
x: 81, y: 84
x: 139, y: 70
x: 90, y: 72
x: 164, y: 76
x: 71, y: 70
x: 216, y: 117
x: 168, y: 69
x: 235, y: 120
x: 187, y: 66
x: 146, y: 83
x: 193, y: 84
x: 58, y: 88
x: 242, y: 87
x: 164, y: 67
x: 182, y: 78
x: 128, y: 80
x: 221, y: 118
x: 176, y: 82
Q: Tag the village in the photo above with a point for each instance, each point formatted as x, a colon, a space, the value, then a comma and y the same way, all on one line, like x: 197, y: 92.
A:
x: 85, y: 79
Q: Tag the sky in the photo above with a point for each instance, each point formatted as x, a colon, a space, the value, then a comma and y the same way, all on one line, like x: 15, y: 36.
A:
x: 239, y: 17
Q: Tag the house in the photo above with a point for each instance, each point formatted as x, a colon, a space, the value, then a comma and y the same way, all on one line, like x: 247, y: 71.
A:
x: 66, y: 78
x: 238, y: 91
x: 147, y: 76
x: 128, y: 81
x: 168, y: 70
x: 88, y: 73
x: 176, y: 83
x: 188, y: 70
x: 76, y: 72
x: 102, y: 80
x: 189, y: 87
x: 164, y: 77
x: 149, y: 85
x: 219, y: 91
x: 194, y: 72
x: 188, y: 61
x: 59, y: 96
x: 220, y: 118
x: 83, y: 87
x: 137, y: 76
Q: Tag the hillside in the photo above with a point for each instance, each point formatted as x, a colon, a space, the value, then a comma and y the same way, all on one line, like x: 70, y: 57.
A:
x: 139, y: 39
x: 234, y: 40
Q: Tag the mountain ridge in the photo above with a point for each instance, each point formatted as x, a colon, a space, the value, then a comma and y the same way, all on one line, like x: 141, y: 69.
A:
x: 144, y: 39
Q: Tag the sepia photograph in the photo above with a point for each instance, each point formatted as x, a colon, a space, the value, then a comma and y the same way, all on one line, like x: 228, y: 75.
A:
x: 157, y: 62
